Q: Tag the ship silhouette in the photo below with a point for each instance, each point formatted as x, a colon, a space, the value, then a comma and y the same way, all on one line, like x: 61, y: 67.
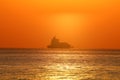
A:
x: 55, y: 43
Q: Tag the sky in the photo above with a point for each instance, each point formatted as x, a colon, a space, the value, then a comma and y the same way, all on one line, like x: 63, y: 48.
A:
x: 85, y: 24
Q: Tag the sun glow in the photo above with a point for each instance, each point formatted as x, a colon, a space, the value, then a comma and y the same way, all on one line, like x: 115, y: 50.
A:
x: 66, y: 24
x: 66, y: 21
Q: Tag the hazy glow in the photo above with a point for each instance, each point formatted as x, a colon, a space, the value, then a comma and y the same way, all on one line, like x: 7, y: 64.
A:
x: 67, y: 24
x: 66, y: 21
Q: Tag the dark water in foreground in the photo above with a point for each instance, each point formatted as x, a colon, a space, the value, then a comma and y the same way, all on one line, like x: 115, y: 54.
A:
x: 58, y: 65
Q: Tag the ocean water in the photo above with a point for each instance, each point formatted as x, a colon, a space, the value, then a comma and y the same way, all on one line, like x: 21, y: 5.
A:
x: 59, y: 65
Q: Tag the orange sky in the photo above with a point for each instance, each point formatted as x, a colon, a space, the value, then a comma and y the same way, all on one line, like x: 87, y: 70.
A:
x: 85, y: 24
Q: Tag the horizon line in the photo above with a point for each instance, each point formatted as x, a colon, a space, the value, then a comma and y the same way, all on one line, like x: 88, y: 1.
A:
x: 101, y: 49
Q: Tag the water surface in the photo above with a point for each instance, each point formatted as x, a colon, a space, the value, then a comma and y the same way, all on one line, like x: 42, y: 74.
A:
x: 59, y: 65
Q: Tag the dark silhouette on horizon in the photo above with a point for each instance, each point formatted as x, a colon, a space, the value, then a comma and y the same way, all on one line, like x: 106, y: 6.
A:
x: 55, y: 43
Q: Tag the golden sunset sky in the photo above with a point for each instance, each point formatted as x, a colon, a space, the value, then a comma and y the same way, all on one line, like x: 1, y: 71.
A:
x: 85, y: 24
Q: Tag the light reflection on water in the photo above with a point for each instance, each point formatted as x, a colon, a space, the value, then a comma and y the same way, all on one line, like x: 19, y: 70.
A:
x: 59, y: 66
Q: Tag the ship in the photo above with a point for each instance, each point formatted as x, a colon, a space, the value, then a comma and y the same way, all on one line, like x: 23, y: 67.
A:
x: 55, y: 43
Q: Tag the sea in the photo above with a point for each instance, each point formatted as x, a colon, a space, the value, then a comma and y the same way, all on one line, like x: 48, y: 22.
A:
x: 43, y: 64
